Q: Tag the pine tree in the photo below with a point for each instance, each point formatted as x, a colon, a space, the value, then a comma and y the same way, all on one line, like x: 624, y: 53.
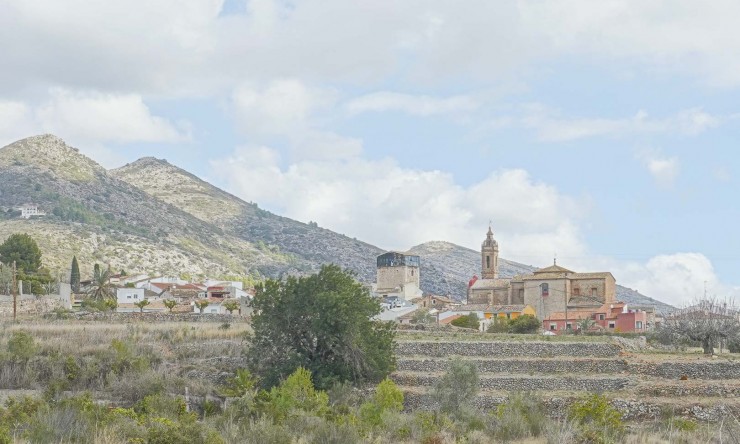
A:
x: 74, y: 279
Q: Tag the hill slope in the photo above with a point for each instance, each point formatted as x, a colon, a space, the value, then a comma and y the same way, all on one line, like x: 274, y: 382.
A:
x: 153, y: 217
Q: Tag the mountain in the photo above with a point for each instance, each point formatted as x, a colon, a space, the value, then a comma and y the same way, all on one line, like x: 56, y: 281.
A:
x: 150, y: 216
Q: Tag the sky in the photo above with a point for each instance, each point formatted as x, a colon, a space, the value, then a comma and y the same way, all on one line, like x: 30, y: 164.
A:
x: 600, y: 133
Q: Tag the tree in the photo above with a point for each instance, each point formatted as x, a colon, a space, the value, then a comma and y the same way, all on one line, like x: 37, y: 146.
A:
x: 202, y: 304
x: 231, y: 306
x: 498, y: 325
x: 467, y: 321
x: 524, y: 324
x: 170, y: 304
x: 74, y: 278
x: 322, y: 323
x: 141, y: 304
x: 100, y: 287
x: 423, y: 316
x: 23, y: 250
x: 585, y: 324
x: 457, y: 388
x: 708, y: 322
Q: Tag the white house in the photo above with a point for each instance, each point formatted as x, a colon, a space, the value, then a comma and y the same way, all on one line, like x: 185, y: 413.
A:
x: 216, y: 306
x: 30, y: 210
x: 130, y: 295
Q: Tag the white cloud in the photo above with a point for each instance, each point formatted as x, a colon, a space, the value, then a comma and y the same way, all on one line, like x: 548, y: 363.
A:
x: 395, y: 207
x: 678, y: 279
x: 664, y: 170
x: 552, y: 126
x: 103, y: 117
x: 15, y: 121
x: 418, y: 105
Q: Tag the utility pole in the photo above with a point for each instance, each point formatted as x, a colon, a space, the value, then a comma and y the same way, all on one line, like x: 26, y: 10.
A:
x: 14, y: 286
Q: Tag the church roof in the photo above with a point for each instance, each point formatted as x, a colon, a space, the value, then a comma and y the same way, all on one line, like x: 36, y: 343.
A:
x: 482, y: 284
x: 488, y: 308
x: 553, y: 269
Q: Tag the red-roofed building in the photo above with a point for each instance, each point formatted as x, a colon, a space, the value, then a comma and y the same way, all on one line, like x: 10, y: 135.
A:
x: 616, y: 317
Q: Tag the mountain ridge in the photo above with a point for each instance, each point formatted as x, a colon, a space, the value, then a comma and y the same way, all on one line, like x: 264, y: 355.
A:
x: 177, y: 221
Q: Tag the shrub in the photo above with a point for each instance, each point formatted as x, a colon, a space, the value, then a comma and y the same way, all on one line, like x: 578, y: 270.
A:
x: 521, y: 417
x: 457, y: 388
x: 21, y: 346
x: 524, y: 324
x: 388, y: 398
x: 296, y: 393
x: 498, y: 325
x: 467, y: 321
x: 598, y: 421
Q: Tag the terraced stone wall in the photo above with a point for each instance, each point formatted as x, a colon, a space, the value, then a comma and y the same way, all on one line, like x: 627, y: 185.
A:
x: 493, y: 350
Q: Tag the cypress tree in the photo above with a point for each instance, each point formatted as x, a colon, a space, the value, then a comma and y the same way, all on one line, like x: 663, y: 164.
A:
x: 75, y: 276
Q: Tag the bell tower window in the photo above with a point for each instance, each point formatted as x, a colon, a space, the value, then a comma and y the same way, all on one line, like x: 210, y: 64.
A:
x: 488, y: 261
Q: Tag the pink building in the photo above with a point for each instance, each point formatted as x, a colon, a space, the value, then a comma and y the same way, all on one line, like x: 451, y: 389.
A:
x: 613, y: 317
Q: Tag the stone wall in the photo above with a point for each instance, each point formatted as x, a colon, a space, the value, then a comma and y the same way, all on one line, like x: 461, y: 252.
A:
x: 522, y: 383
x: 492, y: 349
x: 159, y: 317
x: 631, y: 409
x: 520, y: 366
x: 30, y: 305
x: 688, y: 370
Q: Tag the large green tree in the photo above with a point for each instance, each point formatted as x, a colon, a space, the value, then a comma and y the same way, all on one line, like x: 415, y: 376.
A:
x: 74, y: 277
x: 23, y: 250
x: 324, y: 324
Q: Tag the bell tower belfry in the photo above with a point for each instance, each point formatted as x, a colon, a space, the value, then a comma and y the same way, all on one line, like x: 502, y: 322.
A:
x: 489, y: 256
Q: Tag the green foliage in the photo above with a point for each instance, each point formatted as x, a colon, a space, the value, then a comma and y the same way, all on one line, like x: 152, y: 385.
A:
x: 388, y: 398
x: 467, y: 321
x: 498, y: 325
x: 457, y: 388
x: 422, y: 316
x: 524, y: 324
x: 22, y: 249
x: 21, y: 346
x: 170, y: 304
x: 240, y: 384
x: 231, y: 306
x: 296, y: 393
x: 107, y: 304
x: 75, y: 275
x: 598, y: 421
x: 141, y: 304
x: 522, y: 416
x: 321, y: 323
x: 100, y: 288
x: 201, y: 305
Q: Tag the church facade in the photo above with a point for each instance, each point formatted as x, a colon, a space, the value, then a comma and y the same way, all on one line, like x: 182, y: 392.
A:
x: 547, y: 290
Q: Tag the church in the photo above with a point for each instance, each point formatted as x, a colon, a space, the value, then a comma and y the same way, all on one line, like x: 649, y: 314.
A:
x: 547, y: 290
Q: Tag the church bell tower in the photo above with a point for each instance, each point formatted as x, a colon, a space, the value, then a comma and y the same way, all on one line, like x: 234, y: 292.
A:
x: 489, y: 256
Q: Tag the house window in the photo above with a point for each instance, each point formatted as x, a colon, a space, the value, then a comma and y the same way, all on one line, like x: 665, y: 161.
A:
x: 594, y: 291
x: 545, y: 289
x: 508, y: 315
x: 412, y: 272
x: 612, y: 325
x: 568, y: 326
x: 553, y: 327
x: 602, y: 317
x: 434, y: 302
x: 488, y: 261
x: 576, y: 292
x: 128, y: 297
x: 638, y: 325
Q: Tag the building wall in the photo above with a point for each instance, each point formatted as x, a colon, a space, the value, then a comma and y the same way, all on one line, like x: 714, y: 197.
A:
x: 555, y: 301
x: 517, y: 293
x: 626, y: 321
x: 392, y: 277
x: 605, y: 288
x: 479, y: 297
x: 500, y: 296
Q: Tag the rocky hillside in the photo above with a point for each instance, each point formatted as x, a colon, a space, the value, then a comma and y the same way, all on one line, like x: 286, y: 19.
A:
x: 153, y: 217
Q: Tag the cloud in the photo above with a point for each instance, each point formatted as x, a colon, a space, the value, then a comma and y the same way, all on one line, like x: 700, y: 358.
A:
x: 417, y: 105
x: 664, y: 170
x: 103, y: 117
x: 395, y: 207
x: 552, y: 126
x: 678, y: 279
x: 90, y: 120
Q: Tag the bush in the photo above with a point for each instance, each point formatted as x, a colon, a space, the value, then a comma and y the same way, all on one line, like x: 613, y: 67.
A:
x: 498, y: 325
x: 457, y: 388
x: 598, y: 421
x: 388, y: 398
x: 521, y: 417
x: 21, y: 346
x: 524, y: 324
x: 467, y: 321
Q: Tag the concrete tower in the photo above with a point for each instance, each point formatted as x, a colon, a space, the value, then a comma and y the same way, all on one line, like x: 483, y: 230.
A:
x: 489, y: 256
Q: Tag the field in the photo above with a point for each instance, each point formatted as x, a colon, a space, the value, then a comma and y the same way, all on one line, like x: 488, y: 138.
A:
x: 170, y: 382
